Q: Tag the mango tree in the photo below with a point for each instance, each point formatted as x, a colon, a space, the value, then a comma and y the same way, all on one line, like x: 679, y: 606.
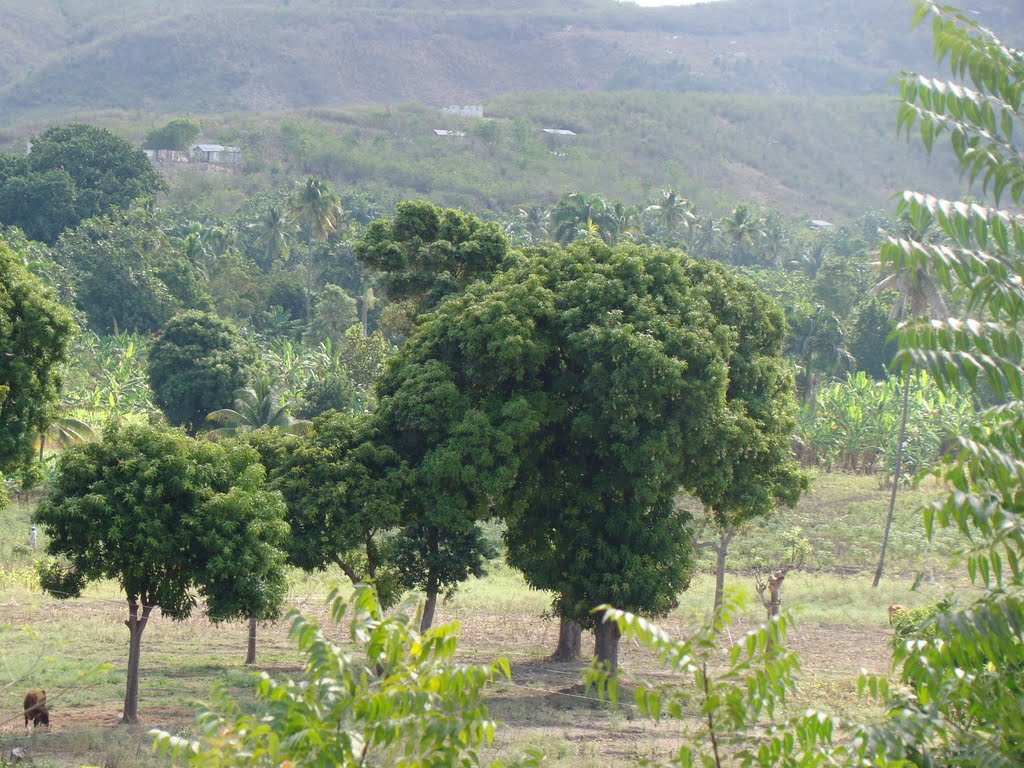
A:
x: 342, y: 485
x: 608, y: 374
x: 171, y: 520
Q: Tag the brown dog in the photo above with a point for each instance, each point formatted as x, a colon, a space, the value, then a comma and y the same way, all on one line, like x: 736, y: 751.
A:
x: 896, y: 609
x: 35, y: 708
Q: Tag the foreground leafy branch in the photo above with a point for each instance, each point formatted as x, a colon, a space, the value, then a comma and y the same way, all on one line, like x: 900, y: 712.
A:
x: 730, y: 703
x: 397, y: 698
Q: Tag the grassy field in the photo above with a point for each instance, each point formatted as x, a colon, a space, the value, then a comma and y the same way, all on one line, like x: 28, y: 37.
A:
x: 77, y: 650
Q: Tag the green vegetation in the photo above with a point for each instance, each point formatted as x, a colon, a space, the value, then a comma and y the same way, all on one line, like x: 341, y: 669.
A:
x: 196, y: 366
x: 126, y: 274
x: 420, y: 708
x: 598, y: 389
x: 171, y: 520
x: 971, y: 718
x: 74, y: 172
x: 829, y: 158
x: 178, y: 135
x: 34, y: 334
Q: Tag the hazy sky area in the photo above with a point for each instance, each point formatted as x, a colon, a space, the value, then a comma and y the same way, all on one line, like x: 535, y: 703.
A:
x: 651, y: 3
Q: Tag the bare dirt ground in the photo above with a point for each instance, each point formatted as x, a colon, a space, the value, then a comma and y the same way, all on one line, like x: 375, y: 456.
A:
x: 544, y: 706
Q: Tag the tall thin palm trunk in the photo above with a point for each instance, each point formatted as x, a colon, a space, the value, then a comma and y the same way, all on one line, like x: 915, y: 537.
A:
x: 896, y: 473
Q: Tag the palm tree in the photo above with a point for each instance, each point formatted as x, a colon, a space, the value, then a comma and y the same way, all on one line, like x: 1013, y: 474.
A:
x: 275, y: 230
x: 810, y: 259
x: 775, y: 239
x: 674, y: 210
x: 578, y: 215
x: 743, y: 228
x: 535, y: 220
x: 820, y: 338
x: 318, y: 208
x: 702, y: 237
x: 917, y: 296
x: 628, y: 220
x: 256, y: 407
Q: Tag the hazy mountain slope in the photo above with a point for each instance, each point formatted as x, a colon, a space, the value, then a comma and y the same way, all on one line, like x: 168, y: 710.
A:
x: 829, y: 157
x: 174, y: 55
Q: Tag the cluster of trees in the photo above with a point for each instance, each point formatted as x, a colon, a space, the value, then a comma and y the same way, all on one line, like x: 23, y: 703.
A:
x: 72, y: 173
x: 569, y: 380
x: 550, y: 387
x: 959, y: 663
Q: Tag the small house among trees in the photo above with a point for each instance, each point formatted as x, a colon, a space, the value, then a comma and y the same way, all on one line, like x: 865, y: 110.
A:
x: 216, y: 154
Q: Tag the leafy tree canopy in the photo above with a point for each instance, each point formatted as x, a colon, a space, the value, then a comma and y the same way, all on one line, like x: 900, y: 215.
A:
x: 128, y: 275
x: 196, y: 365
x: 608, y: 374
x: 73, y: 172
x: 176, y: 134
x: 35, y: 332
x: 459, y: 461
x: 426, y: 253
x: 342, y: 487
x: 171, y: 520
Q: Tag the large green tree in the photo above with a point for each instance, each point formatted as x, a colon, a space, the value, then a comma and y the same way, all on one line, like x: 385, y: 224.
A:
x: 458, y: 462
x: 73, y: 172
x: 127, y: 274
x: 35, y: 331
x: 342, y: 486
x: 608, y: 372
x: 195, y: 367
x: 426, y: 253
x: 169, y: 519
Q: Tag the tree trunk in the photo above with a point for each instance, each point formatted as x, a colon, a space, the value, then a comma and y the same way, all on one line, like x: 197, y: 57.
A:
x: 773, y: 605
x: 309, y: 283
x: 570, y: 641
x: 430, y: 605
x: 433, y: 584
x: 364, y: 316
x: 42, y: 445
x: 250, y: 655
x: 773, y: 602
x: 136, y: 625
x: 724, y: 537
x: 606, y: 644
x: 896, y: 472
x: 809, y: 384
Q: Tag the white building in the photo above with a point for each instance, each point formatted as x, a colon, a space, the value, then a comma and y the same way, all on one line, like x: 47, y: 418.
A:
x: 464, y: 110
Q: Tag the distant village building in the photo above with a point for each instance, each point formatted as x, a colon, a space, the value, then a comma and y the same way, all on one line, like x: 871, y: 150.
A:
x: 464, y: 110
x: 216, y: 154
x: 559, y: 131
x: 820, y: 224
x: 444, y: 132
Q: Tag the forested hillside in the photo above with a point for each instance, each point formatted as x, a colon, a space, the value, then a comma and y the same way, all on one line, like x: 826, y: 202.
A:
x: 187, y: 55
